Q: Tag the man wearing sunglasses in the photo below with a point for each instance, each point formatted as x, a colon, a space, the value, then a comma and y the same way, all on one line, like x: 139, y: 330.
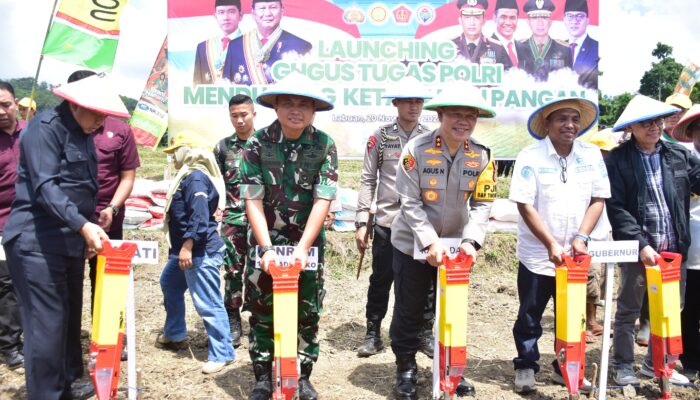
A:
x: 651, y: 183
x: 559, y: 185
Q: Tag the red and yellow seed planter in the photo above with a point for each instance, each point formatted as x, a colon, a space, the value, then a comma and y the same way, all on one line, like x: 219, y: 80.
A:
x: 109, y: 314
x: 285, y: 297
x: 570, y: 343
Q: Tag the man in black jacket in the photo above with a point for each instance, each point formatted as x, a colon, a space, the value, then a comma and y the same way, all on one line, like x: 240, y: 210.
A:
x: 651, y: 181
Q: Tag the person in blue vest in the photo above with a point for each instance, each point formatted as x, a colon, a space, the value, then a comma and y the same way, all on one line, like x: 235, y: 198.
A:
x: 250, y: 57
x: 584, y: 49
x: 211, y: 53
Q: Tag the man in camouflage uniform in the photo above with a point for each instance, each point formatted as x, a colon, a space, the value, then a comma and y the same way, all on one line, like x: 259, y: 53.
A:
x: 229, y: 153
x: 289, y: 177
x: 540, y: 54
x: 379, y: 177
x: 446, y: 183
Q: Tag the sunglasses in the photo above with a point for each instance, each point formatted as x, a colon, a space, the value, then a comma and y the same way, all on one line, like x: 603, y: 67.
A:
x: 647, y: 124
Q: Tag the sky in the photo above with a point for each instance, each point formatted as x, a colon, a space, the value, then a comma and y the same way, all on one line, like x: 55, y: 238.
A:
x: 629, y: 31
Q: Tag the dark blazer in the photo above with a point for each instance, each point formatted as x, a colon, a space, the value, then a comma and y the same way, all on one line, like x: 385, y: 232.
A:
x: 487, y: 51
x: 626, y: 211
x: 56, y: 185
x: 586, y: 64
x: 558, y: 56
x: 240, y: 67
x: 202, y: 71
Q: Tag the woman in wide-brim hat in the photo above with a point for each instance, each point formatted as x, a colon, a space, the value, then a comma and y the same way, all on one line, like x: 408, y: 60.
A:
x: 588, y: 115
x: 688, y: 128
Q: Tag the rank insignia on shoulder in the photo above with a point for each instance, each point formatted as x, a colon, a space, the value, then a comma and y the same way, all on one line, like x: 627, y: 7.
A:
x: 438, y: 142
x: 408, y: 162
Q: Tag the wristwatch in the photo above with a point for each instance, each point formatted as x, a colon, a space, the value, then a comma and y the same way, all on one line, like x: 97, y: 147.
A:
x: 264, y: 249
x: 359, y: 225
x: 472, y: 242
x: 115, y: 209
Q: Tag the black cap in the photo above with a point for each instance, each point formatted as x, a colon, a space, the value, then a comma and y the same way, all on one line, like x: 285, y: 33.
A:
x: 506, y: 4
x: 236, y: 3
x: 576, y: 6
x: 266, y: 1
x: 539, y: 8
x: 472, y: 7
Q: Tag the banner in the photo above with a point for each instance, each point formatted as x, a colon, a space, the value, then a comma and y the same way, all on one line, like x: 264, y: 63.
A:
x: 85, y: 32
x: 357, y: 49
x: 150, y: 118
x: 689, y: 75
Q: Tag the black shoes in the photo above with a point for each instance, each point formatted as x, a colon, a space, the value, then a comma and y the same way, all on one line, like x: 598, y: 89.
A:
x: 234, y: 320
x: 373, y: 340
x: 305, y: 389
x: 14, y: 359
x: 263, y: 381
x: 406, y: 377
x: 81, y: 390
x: 465, y: 388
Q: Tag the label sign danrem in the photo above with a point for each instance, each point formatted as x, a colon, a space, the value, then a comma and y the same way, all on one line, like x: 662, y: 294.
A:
x: 284, y: 255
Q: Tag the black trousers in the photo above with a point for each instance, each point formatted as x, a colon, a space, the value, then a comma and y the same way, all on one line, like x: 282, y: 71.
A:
x: 383, y: 276
x: 50, y: 293
x: 10, y: 323
x: 412, y: 283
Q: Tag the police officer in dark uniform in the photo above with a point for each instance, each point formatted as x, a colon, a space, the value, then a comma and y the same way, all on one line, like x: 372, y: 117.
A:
x: 540, y: 54
x: 49, y: 234
x: 472, y: 44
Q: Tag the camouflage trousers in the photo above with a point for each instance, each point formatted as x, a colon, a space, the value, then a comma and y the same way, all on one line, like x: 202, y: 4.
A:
x: 258, y: 300
x: 235, y: 238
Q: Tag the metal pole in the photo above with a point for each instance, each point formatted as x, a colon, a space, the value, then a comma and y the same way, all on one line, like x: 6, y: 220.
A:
x: 132, y: 380
x: 609, y: 280
x: 41, y: 56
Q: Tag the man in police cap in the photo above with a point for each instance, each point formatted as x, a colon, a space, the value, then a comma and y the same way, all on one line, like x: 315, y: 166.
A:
x: 379, y: 177
x: 584, y: 49
x: 472, y: 44
x: 49, y: 233
x: 540, y: 54
x: 506, y: 19
x: 446, y: 185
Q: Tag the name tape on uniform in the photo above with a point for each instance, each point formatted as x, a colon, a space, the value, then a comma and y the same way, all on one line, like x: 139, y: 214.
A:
x: 605, y: 251
x: 284, y: 255
x: 452, y: 244
x: 146, y: 251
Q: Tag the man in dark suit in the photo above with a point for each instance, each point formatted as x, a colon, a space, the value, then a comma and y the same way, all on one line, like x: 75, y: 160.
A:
x: 506, y: 19
x: 540, y: 54
x: 250, y: 57
x: 209, y: 60
x: 584, y: 49
x: 472, y: 44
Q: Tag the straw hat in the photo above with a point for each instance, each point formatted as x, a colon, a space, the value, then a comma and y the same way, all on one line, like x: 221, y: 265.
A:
x: 96, y: 93
x: 642, y: 108
x: 460, y: 94
x: 27, y: 103
x: 680, y: 131
x: 603, y: 139
x: 187, y: 138
x: 295, y: 84
x: 408, y: 88
x: 587, y: 109
x: 679, y: 100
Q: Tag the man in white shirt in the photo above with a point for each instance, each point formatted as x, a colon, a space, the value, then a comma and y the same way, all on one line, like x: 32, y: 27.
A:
x: 559, y: 185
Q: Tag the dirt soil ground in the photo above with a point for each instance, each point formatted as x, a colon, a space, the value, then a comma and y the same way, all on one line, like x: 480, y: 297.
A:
x: 339, y: 373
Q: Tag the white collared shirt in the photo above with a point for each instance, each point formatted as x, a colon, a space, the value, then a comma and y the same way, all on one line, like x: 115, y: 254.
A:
x: 504, y: 43
x: 561, y: 206
x: 579, y: 42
